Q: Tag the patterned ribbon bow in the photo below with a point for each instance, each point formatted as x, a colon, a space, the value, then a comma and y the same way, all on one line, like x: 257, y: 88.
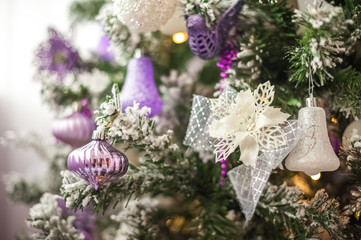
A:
x: 248, y: 180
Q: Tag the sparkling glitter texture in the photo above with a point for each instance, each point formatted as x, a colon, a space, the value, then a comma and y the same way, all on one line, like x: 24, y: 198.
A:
x: 140, y: 86
x: 144, y: 15
x: 313, y: 153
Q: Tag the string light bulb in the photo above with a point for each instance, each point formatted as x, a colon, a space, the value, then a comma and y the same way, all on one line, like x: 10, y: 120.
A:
x: 180, y: 37
x: 334, y: 120
x: 316, y: 177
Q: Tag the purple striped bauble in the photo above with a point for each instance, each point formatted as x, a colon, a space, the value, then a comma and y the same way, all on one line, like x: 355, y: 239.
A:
x: 75, y: 130
x: 98, y: 162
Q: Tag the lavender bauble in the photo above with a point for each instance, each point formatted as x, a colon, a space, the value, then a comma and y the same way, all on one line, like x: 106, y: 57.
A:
x: 140, y: 86
x: 75, y: 130
x: 98, y: 162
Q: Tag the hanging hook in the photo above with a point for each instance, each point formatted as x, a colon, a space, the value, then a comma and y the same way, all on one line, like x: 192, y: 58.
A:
x: 310, y: 84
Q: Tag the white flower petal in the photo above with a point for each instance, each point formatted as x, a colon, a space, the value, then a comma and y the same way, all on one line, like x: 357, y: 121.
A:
x: 271, y: 117
x: 249, y: 151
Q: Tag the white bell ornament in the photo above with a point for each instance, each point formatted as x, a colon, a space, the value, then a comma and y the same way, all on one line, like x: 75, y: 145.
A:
x: 313, y: 153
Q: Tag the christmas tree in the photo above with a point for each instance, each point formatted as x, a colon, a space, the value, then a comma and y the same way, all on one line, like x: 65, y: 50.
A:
x: 209, y: 119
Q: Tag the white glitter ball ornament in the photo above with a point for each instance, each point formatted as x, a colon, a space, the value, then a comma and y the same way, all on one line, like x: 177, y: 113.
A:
x: 349, y: 132
x: 144, y: 15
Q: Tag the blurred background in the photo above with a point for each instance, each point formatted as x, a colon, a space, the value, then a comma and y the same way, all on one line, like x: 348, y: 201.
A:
x: 23, y: 25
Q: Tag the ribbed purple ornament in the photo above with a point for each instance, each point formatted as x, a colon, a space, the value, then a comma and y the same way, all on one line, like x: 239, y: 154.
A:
x: 139, y: 86
x: 75, y: 130
x: 98, y: 162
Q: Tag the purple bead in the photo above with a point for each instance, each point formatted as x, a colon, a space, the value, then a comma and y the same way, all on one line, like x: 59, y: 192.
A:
x: 223, y: 172
x: 224, y: 166
x: 140, y: 86
x: 98, y: 162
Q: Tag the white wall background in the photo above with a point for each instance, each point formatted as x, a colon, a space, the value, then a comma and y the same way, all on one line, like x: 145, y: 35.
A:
x: 23, y: 25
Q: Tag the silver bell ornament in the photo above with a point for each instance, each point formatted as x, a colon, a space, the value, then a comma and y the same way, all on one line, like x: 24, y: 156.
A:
x: 313, y: 153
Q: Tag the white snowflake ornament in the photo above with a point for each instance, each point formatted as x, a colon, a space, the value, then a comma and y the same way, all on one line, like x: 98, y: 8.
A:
x: 247, y: 121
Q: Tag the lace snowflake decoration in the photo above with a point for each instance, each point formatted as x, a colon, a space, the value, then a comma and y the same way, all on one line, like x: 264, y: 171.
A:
x: 246, y: 120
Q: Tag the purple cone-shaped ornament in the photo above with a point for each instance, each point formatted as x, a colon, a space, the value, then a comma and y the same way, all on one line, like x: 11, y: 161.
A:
x: 139, y: 86
x: 75, y: 130
x: 98, y: 162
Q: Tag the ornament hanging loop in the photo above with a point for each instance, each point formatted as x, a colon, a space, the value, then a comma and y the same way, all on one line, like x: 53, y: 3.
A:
x: 310, y: 86
x: 139, y: 52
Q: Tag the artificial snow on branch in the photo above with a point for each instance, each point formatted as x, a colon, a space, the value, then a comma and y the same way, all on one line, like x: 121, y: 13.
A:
x: 46, y: 217
x: 133, y: 126
x: 322, y: 45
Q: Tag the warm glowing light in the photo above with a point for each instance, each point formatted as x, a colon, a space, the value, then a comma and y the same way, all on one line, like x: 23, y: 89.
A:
x: 180, y: 37
x: 334, y: 120
x: 357, y: 215
x: 316, y: 177
x: 175, y: 224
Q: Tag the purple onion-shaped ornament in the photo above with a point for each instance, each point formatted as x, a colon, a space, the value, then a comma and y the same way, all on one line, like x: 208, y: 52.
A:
x: 139, y: 86
x: 75, y: 130
x: 98, y: 162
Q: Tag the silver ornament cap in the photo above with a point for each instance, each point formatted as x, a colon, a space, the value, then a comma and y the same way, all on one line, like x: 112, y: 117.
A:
x: 98, y: 135
x: 311, y: 102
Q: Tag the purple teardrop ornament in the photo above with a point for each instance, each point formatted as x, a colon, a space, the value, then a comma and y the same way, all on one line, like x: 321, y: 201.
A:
x: 98, y: 162
x: 139, y: 86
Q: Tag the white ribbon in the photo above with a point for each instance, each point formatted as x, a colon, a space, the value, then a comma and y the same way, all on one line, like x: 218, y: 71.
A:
x: 248, y: 181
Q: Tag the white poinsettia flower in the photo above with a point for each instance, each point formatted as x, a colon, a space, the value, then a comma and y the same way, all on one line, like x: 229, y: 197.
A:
x: 247, y: 122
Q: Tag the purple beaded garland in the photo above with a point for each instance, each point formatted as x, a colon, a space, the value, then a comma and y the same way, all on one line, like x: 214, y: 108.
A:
x: 225, y: 61
x: 98, y: 162
x: 224, y: 171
